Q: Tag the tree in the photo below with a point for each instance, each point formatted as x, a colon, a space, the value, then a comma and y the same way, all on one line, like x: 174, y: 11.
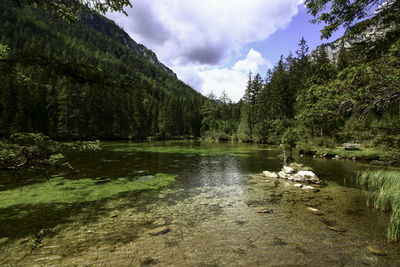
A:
x: 346, y: 13
x: 69, y: 9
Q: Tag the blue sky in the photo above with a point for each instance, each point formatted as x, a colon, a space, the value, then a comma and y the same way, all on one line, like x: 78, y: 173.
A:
x: 285, y: 40
x: 212, y: 45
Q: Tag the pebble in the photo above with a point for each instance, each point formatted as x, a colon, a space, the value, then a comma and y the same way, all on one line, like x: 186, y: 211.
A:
x: 376, y: 251
x: 309, y: 187
x: 159, y: 231
x: 23, y: 241
x: 337, y: 229
x: 159, y: 222
x: 3, y: 240
x: 263, y: 210
x: 315, y: 211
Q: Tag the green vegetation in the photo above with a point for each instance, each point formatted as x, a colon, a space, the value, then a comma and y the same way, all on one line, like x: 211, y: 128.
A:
x: 29, y: 152
x: 68, y: 9
x: 84, y: 81
x: 384, y: 194
x: 382, y: 155
x: 200, y: 150
x: 337, y: 13
x: 60, y: 191
x: 220, y: 118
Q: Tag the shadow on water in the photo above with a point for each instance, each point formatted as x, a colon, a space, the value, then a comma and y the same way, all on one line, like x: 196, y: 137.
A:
x: 22, y: 221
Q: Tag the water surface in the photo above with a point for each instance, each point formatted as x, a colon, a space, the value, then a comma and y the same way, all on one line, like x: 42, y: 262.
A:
x: 208, y: 195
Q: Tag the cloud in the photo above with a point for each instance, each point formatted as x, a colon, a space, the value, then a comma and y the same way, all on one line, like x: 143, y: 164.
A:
x: 204, y: 35
x: 233, y: 80
x: 142, y: 24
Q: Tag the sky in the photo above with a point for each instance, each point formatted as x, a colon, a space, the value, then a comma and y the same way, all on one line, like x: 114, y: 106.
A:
x: 213, y: 44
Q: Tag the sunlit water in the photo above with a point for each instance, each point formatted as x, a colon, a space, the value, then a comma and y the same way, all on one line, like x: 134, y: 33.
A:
x: 211, y: 210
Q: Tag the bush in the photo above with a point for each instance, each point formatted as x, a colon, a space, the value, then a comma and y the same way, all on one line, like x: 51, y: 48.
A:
x: 306, y: 148
x: 324, y: 142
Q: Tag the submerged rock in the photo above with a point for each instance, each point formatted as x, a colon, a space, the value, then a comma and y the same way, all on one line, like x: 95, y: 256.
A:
x: 3, y: 240
x: 23, y: 241
x: 159, y: 231
x: 159, y: 222
x: 42, y: 233
x: 263, y: 210
x: 315, y: 211
x: 376, y: 251
x: 310, y: 188
x: 337, y: 229
x: 269, y: 174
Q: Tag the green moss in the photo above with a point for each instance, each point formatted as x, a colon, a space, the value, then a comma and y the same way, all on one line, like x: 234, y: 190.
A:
x: 206, y: 150
x: 60, y: 191
x: 384, y: 194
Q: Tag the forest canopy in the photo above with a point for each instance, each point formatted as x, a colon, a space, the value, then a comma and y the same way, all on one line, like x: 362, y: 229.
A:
x: 337, y: 13
x: 68, y: 9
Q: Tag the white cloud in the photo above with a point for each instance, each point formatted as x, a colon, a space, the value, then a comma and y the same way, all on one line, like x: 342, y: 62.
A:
x: 233, y: 80
x: 191, y: 35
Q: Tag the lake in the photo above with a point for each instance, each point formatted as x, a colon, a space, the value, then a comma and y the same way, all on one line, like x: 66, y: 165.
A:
x: 211, y: 200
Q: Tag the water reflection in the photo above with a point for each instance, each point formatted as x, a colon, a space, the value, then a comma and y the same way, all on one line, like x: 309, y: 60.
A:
x: 218, y: 171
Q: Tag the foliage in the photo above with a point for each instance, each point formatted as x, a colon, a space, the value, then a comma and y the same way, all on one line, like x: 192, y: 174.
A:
x: 346, y: 13
x: 3, y: 51
x: 38, y: 153
x: 68, y: 10
x: 384, y: 194
x: 220, y: 118
x: 376, y: 154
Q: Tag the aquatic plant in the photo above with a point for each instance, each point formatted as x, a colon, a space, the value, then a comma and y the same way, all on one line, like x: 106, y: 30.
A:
x: 384, y: 194
x: 202, y: 151
x: 62, y: 192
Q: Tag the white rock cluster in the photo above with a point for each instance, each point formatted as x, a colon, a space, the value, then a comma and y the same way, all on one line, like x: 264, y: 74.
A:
x: 295, y: 173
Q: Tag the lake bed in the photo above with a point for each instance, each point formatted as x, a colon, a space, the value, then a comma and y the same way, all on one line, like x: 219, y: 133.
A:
x: 212, y: 199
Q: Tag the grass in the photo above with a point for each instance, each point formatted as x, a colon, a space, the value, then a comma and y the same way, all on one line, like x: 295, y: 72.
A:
x: 61, y: 191
x: 384, y: 194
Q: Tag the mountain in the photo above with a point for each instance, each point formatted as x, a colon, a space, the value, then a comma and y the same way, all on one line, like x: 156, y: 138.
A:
x: 372, y: 33
x: 87, y: 80
x: 109, y: 28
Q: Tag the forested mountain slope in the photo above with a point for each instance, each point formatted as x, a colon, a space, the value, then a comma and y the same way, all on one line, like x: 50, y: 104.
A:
x: 87, y: 79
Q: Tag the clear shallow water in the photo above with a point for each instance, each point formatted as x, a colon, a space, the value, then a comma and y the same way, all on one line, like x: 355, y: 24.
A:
x: 210, y: 209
